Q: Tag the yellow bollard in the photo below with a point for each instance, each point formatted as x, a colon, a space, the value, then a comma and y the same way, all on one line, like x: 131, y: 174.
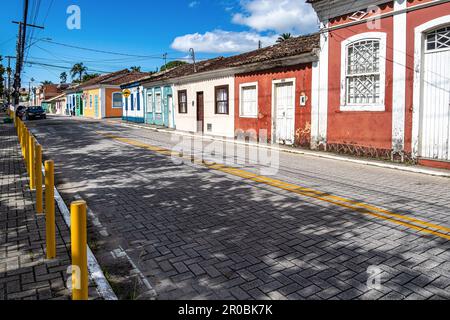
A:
x: 32, y: 143
x: 38, y: 169
x: 21, y: 136
x: 50, y: 209
x: 79, y: 250
x: 26, y: 153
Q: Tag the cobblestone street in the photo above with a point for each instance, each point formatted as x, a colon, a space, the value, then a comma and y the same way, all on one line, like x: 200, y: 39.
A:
x: 197, y: 233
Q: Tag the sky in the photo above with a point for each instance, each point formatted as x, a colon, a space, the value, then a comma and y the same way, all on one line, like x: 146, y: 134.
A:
x: 140, y: 32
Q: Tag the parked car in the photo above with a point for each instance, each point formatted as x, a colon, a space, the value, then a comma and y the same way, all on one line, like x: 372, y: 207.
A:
x: 20, y: 112
x: 35, y: 113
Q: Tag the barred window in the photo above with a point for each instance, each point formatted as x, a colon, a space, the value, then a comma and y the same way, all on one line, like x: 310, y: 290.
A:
x: 438, y: 39
x: 363, y: 73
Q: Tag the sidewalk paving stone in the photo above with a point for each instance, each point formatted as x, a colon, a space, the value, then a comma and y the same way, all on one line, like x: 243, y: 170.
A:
x: 25, y: 273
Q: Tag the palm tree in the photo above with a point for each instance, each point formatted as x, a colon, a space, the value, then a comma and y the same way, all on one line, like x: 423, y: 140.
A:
x: 46, y: 82
x: 135, y: 69
x: 63, y: 77
x: 283, y: 37
x: 78, y: 69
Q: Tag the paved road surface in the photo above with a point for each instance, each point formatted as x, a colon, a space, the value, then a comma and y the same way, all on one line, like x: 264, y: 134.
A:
x: 198, y: 233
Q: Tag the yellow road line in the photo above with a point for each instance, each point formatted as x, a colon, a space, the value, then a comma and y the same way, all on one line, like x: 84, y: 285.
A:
x: 409, y: 222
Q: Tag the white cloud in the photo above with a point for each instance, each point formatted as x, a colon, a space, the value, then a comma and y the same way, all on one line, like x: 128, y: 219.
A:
x: 265, y: 19
x: 294, y: 16
x: 219, y: 41
x: 193, y: 4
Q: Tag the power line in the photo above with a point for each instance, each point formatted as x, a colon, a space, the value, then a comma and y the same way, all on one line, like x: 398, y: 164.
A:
x: 60, y: 67
x: 103, y: 51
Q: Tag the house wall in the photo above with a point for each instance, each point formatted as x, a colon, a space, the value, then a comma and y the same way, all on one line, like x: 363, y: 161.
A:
x: 61, y: 106
x: 74, y: 101
x: 221, y: 125
x: 159, y: 118
x: 396, y: 129
x: 57, y: 107
x: 364, y: 129
x: 303, y: 75
x: 89, y: 108
x: 109, y: 111
x: 134, y: 115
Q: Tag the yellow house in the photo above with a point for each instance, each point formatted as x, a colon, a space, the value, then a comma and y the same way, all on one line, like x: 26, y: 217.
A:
x: 102, y: 95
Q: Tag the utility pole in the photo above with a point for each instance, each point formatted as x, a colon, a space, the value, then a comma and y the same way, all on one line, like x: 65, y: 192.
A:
x: 21, y: 50
x: 9, y: 78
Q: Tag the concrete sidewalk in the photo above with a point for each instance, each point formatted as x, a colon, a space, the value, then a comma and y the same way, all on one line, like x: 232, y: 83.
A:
x: 25, y: 274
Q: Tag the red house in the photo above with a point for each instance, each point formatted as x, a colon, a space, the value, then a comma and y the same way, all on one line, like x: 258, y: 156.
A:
x: 384, y: 79
x: 273, y: 101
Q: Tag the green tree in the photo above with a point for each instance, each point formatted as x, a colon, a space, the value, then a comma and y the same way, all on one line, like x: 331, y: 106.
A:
x: 63, y: 77
x: 283, y: 37
x: 88, y: 77
x: 172, y: 64
x: 135, y: 69
x: 46, y: 82
x: 78, y: 70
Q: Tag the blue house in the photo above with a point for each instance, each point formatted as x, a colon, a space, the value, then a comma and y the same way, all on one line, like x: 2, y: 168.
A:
x: 159, y: 104
x: 74, y: 101
x: 134, y: 106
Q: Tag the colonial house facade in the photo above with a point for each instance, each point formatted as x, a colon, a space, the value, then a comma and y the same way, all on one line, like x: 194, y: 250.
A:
x: 159, y: 103
x: 102, y: 96
x: 57, y: 105
x: 74, y: 101
x: 273, y: 92
x: 382, y: 80
x: 133, y: 106
x: 206, y: 104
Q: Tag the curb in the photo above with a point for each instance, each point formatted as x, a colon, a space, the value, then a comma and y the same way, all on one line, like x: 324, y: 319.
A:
x: 417, y: 170
x: 103, y: 287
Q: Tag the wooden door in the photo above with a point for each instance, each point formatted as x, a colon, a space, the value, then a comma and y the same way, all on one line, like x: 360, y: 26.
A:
x: 200, y: 112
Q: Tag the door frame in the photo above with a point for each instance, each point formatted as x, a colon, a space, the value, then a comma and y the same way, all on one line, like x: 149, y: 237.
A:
x: 419, y: 59
x: 170, y: 110
x: 198, y: 109
x: 274, y: 111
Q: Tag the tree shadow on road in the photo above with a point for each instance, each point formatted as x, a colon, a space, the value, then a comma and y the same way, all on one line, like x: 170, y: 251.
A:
x: 200, y: 234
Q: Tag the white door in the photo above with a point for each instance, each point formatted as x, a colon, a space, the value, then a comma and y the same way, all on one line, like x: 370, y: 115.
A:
x: 435, y: 118
x: 170, y: 106
x: 285, y: 112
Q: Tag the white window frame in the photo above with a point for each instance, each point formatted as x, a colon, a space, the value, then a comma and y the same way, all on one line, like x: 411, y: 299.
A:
x: 149, y: 106
x: 160, y: 111
x: 112, y: 99
x: 381, y: 106
x: 241, y: 100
